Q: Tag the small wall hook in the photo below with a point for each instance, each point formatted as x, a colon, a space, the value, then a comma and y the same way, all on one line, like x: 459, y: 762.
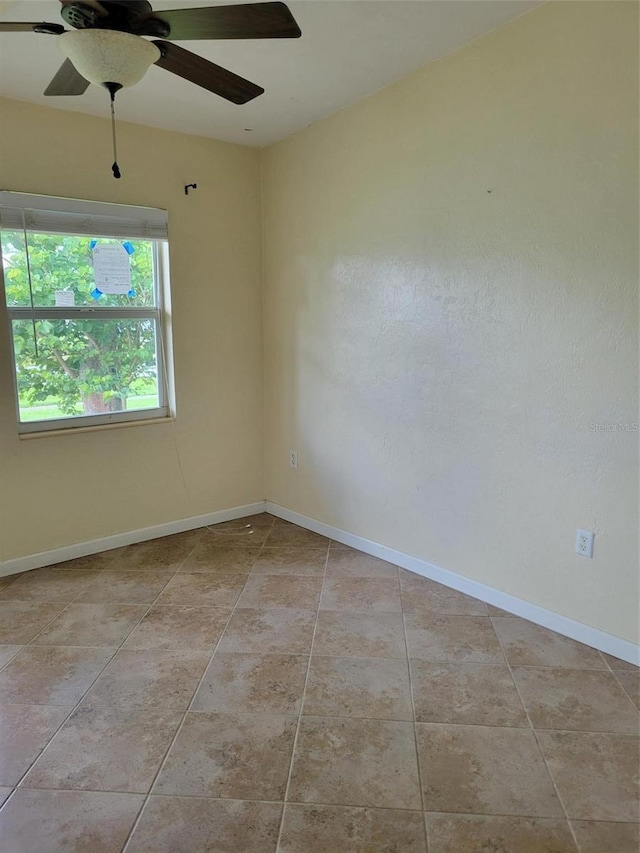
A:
x: 187, y: 187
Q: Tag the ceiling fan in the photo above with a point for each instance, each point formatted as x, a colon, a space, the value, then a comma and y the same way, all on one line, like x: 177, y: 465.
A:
x: 107, y: 47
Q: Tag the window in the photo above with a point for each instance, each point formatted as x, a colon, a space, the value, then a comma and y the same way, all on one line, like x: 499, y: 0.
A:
x: 84, y: 285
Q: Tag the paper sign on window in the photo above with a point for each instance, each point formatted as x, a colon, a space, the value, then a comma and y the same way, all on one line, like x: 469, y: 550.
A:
x: 64, y: 298
x: 111, y: 268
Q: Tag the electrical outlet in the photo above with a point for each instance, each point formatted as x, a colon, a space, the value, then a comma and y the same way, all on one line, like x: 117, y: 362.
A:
x: 584, y: 543
x: 293, y: 458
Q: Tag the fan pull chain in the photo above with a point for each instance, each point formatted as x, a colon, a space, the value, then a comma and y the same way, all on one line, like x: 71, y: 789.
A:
x: 115, y: 168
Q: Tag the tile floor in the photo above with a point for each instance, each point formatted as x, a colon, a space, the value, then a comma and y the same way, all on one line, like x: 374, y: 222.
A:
x: 253, y: 687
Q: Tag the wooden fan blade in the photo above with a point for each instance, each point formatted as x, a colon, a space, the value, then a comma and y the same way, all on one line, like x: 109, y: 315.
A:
x: 203, y: 73
x: 26, y: 27
x: 246, y: 21
x: 67, y: 81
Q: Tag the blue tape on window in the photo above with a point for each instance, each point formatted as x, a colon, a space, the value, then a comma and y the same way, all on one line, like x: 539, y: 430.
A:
x: 93, y: 244
x: 96, y: 293
x: 128, y: 247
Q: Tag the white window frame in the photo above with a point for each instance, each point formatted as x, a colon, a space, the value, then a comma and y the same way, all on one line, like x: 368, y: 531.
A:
x: 47, y: 214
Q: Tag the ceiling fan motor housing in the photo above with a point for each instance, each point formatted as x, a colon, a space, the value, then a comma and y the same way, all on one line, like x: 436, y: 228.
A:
x: 135, y: 16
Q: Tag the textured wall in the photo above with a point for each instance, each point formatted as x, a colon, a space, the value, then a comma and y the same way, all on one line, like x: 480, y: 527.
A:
x: 72, y: 488
x: 451, y: 300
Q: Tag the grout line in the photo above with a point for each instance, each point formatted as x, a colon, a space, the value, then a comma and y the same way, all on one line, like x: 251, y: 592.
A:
x: 314, y: 803
x: 20, y: 647
x: 444, y: 723
x: 540, y: 750
x: 182, y: 721
x: 604, y: 660
x: 302, y: 704
x: 425, y: 823
x: 413, y: 710
x: 624, y: 689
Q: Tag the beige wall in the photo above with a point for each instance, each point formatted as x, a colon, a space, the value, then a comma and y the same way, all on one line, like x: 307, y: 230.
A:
x: 73, y: 488
x: 451, y: 300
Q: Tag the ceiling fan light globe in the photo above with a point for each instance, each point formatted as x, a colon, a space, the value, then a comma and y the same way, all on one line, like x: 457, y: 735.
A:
x: 108, y: 56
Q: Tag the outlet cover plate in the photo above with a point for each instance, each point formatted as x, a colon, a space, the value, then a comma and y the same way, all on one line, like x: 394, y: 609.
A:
x: 584, y: 543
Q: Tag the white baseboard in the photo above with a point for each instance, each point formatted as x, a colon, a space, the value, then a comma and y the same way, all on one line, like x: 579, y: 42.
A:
x: 83, y: 549
x: 600, y: 640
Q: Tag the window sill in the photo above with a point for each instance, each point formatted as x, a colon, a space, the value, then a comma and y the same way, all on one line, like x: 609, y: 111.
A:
x: 28, y: 436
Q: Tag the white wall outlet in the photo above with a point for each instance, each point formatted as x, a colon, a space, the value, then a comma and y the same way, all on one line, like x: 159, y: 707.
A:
x: 293, y: 458
x: 584, y: 543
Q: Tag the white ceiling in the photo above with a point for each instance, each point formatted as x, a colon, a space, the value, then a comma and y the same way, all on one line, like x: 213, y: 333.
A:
x: 348, y: 49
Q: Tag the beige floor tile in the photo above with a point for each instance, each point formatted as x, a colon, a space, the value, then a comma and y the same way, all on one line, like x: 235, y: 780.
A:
x: 48, y: 585
x: 106, y: 749
x: 526, y: 644
x: 596, y: 774
x: 281, y: 591
x: 630, y: 683
x: 465, y: 693
x: 154, y: 678
x: 5, y: 580
x: 210, y: 589
x: 179, y: 626
x: 92, y: 625
x: 294, y: 560
x: 241, y: 536
x: 348, y: 563
x: 358, y: 687
x: 126, y: 587
x: 356, y: 763
x: 250, y: 530
x: 575, y: 699
x: 480, y: 834
x: 182, y: 825
x: 25, y: 730
x: 376, y: 635
x: 362, y: 595
x: 21, y: 621
x: 484, y: 770
x: 167, y: 552
x: 257, y: 521
x: 496, y: 611
x: 285, y: 533
x: 607, y: 837
x: 212, y: 556
x: 617, y: 663
x: 41, y: 675
x: 92, y: 562
x: 463, y: 639
x: 236, y: 756
x: 7, y: 653
x: 263, y: 631
x: 65, y: 821
x: 320, y: 829
x: 421, y: 595
x: 263, y: 684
